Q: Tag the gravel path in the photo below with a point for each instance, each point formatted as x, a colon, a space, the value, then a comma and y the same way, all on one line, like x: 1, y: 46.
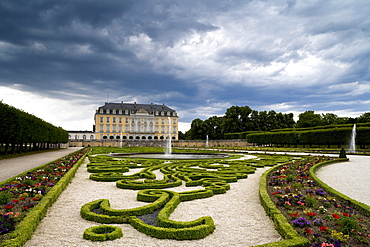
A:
x: 239, y: 217
x: 350, y: 178
x: 12, y: 167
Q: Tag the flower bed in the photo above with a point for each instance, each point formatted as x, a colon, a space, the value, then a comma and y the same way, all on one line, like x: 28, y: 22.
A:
x: 22, y: 195
x: 323, y: 219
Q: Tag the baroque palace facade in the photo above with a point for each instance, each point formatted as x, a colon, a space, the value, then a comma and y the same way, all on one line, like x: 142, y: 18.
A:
x: 135, y: 121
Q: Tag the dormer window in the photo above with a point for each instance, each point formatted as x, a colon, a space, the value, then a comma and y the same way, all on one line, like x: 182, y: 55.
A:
x: 101, y: 110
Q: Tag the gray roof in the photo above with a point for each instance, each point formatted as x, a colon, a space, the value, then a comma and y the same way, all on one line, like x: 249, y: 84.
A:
x: 134, y: 106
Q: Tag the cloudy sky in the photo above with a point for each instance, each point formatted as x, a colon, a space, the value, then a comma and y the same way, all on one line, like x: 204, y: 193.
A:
x: 61, y: 60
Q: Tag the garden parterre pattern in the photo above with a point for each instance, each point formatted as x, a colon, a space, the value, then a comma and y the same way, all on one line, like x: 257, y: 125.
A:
x: 153, y: 219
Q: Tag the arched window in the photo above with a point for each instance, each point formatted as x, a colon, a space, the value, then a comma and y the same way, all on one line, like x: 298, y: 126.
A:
x: 92, y: 137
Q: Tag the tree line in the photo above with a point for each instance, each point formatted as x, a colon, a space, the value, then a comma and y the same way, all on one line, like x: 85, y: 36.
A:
x: 22, y: 132
x: 242, y: 119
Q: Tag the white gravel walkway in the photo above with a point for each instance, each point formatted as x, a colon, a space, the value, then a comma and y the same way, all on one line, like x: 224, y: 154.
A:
x: 350, y: 178
x: 239, y: 217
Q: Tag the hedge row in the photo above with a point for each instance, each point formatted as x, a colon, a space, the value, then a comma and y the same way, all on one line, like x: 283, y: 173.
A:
x: 167, y: 201
x: 24, y: 230
x: 18, y: 128
x: 338, y: 136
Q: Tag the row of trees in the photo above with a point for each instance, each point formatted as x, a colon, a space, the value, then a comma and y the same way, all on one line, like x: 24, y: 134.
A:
x: 311, y: 119
x: 21, y: 131
x: 238, y: 119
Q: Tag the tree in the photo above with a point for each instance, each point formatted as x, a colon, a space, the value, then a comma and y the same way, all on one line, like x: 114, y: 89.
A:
x: 213, y: 128
x: 236, y: 119
x: 197, y: 130
x: 329, y: 118
x: 364, y: 118
x: 309, y: 119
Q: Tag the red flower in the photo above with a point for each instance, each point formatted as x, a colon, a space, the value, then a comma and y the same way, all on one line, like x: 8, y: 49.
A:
x: 347, y: 214
x: 336, y: 216
x: 311, y: 214
x: 323, y: 228
x: 21, y: 198
x: 308, y: 231
x: 295, y: 215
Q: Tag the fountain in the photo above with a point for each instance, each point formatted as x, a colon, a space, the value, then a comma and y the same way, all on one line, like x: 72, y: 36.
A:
x: 168, y: 155
x: 352, y: 144
x: 207, y: 141
x: 169, y: 142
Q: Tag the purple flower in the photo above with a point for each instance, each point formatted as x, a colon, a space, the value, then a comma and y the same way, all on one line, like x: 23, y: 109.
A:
x: 301, y: 222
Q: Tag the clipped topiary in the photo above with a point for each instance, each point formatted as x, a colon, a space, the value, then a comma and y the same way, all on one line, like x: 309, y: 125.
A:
x: 102, y: 233
x: 342, y: 154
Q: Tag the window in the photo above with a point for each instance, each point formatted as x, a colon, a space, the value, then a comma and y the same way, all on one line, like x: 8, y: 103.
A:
x: 162, y: 120
x: 101, y: 119
x: 126, y: 128
x: 108, y: 111
x: 126, y: 121
x: 113, y: 119
x: 101, y: 110
x: 107, y: 128
x: 114, y: 127
x: 174, y: 121
x: 107, y: 119
x: 120, y: 128
x: 156, y: 121
x: 120, y: 112
x: 101, y: 128
x: 120, y: 120
x: 126, y: 112
x: 114, y: 111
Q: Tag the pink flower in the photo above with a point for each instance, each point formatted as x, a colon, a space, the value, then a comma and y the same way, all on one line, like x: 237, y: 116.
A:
x: 326, y: 244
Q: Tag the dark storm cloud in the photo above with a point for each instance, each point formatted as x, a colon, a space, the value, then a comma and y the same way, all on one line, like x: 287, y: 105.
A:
x: 191, y: 55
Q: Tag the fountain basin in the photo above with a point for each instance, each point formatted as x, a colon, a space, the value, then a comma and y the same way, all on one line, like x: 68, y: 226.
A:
x: 172, y: 156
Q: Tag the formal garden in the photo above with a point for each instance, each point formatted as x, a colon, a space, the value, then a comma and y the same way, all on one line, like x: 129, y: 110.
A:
x: 305, y: 211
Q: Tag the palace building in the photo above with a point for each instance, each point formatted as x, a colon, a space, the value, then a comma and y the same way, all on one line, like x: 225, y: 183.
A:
x: 135, y: 121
